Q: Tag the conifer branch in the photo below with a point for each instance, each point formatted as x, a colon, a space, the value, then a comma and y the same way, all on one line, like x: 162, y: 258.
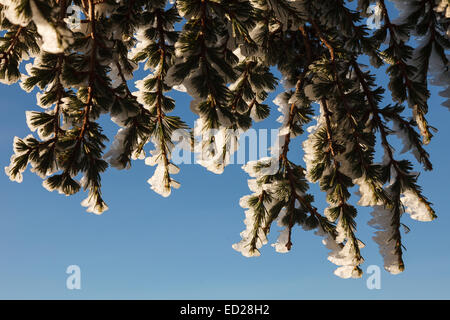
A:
x: 356, y: 133
x: 160, y: 115
x: 419, y: 107
x: 4, y: 56
x: 403, y: 180
x: 335, y: 182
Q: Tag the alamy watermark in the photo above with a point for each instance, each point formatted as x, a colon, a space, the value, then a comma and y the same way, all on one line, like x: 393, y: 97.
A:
x: 73, y: 19
x: 375, y: 15
x: 73, y: 281
x: 374, y: 280
x: 229, y: 146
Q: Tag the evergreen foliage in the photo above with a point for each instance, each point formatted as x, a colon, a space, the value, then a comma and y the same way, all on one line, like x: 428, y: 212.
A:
x: 223, y: 54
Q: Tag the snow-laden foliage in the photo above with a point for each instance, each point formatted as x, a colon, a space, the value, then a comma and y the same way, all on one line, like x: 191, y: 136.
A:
x: 82, y: 56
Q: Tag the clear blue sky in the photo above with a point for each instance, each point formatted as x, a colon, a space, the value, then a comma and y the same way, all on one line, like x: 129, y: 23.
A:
x: 149, y: 247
